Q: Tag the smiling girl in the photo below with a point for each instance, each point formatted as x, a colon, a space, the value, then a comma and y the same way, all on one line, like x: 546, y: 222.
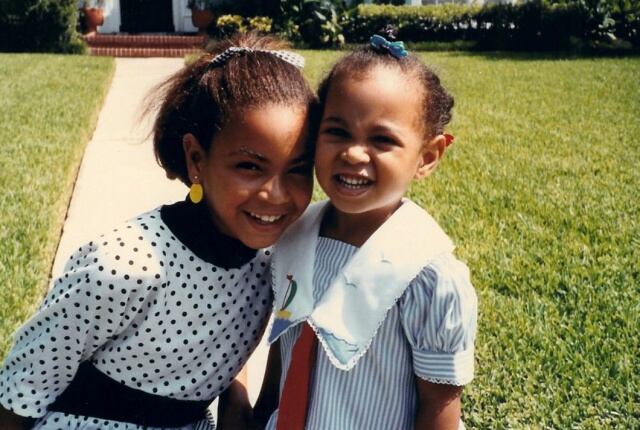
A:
x: 153, y: 320
x: 369, y: 274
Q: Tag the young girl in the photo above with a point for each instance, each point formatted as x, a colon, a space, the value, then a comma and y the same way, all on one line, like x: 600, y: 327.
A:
x: 153, y: 320
x: 369, y: 273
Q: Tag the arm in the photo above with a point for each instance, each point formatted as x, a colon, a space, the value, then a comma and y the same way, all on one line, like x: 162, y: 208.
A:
x: 74, y: 320
x: 438, y: 406
x: 268, y: 398
x: 234, y: 408
x: 11, y: 421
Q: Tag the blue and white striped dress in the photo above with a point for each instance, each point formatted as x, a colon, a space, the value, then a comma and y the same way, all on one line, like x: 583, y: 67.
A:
x: 429, y: 332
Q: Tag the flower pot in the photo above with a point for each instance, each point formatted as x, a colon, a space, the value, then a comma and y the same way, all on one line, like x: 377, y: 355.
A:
x: 93, y: 17
x: 202, y: 19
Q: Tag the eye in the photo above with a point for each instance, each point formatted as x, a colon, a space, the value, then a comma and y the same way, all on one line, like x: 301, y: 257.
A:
x: 247, y: 165
x: 336, y: 132
x: 384, y: 140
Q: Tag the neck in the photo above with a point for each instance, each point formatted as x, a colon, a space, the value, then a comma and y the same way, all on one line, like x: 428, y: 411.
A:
x: 354, y: 229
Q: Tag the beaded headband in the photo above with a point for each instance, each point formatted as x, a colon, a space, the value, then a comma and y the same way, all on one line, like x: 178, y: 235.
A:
x: 288, y: 56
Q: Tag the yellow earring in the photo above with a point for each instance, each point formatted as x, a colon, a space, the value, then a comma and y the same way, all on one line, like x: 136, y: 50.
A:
x: 196, y: 192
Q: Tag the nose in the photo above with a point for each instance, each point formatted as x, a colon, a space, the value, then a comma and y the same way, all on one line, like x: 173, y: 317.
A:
x: 275, y: 191
x: 355, y: 154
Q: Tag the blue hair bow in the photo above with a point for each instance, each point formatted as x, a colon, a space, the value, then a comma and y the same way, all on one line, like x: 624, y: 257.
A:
x: 394, y: 48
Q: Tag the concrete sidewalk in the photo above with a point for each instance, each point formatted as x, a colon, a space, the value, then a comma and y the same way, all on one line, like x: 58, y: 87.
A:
x: 119, y: 177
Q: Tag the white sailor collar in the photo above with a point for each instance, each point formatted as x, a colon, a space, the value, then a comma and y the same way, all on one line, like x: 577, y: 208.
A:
x: 349, y: 313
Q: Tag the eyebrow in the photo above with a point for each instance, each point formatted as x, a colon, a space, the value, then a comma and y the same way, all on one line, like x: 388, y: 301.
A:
x: 335, y: 119
x: 304, y: 158
x: 377, y: 128
x: 250, y: 152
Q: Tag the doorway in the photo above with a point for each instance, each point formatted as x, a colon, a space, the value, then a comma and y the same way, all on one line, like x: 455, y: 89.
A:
x: 146, y: 16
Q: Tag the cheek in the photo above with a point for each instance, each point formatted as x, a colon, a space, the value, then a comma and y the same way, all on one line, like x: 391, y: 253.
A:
x: 323, y: 150
x: 301, y: 190
x: 322, y: 162
x: 229, y: 188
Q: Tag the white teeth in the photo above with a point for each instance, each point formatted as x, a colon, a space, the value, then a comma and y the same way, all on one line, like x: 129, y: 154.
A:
x: 266, y: 218
x: 353, y: 182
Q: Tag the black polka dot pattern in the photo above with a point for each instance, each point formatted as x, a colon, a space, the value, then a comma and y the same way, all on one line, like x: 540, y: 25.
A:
x: 148, y: 313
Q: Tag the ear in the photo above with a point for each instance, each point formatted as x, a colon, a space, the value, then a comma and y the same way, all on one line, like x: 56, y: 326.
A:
x: 431, y: 155
x: 195, y: 157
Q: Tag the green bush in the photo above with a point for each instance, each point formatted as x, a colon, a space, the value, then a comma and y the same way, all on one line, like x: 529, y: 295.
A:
x: 414, y: 23
x: 226, y: 25
x: 623, y: 18
x: 229, y: 24
x: 531, y: 25
x: 317, y: 23
x: 39, y: 26
x: 261, y: 24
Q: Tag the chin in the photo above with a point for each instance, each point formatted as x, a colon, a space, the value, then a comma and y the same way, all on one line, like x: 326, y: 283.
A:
x: 256, y: 241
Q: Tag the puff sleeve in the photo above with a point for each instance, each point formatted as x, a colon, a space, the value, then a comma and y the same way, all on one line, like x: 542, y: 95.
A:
x: 439, y: 317
x: 95, y: 299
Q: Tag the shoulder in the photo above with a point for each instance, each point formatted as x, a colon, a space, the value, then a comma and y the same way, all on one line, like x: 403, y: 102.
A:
x: 439, y: 318
x: 130, y: 250
x: 444, y: 281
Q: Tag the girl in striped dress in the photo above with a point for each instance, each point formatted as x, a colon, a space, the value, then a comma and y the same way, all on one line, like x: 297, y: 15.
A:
x: 369, y: 275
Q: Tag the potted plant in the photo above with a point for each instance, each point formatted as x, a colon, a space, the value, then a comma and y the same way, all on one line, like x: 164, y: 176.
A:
x: 92, y: 15
x: 201, y: 13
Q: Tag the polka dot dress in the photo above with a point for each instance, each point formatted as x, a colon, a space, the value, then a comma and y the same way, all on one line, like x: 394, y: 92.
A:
x: 148, y: 313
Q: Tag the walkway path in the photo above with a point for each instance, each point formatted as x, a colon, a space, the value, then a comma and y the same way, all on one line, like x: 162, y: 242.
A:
x: 119, y: 177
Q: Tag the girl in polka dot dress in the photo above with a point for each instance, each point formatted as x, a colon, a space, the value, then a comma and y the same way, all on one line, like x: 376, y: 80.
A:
x: 153, y: 320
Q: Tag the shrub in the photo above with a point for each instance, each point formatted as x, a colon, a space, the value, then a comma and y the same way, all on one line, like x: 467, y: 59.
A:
x: 315, y: 22
x: 531, y: 25
x: 260, y: 24
x: 414, y: 23
x: 39, y: 26
x: 226, y: 25
x: 621, y: 18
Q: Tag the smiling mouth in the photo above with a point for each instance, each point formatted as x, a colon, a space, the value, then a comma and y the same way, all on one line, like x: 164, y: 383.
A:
x: 265, y: 219
x: 353, y: 183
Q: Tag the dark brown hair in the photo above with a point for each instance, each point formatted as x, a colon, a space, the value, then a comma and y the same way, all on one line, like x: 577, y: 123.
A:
x: 201, y: 98
x: 437, y: 102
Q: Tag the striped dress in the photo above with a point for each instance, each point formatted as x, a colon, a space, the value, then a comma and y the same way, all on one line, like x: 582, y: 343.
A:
x: 428, y: 333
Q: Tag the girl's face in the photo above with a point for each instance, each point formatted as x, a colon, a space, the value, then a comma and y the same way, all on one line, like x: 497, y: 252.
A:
x: 371, y: 143
x: 257, y: 175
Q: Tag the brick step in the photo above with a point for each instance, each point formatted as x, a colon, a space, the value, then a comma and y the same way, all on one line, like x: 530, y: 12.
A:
x: 142, y: 52
x: 144, y: 41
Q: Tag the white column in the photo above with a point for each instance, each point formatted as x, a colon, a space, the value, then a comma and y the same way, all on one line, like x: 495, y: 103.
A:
x: 182, y: 17
x: 111, y: 17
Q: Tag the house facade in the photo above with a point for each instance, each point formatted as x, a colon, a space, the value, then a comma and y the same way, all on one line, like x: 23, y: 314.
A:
x: 173, y: 16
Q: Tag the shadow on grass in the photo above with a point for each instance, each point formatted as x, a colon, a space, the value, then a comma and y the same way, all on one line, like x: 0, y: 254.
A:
x: 472, y: 49
x: 547, y: 55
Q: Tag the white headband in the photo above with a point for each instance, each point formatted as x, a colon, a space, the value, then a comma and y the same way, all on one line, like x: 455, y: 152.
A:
x: 288, y: 56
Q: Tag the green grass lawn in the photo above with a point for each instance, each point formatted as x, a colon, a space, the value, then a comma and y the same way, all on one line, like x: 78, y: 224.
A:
x: 539, y: 191
x: 48, y: 109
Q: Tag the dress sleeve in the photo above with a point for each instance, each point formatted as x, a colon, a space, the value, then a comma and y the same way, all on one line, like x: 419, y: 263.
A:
x: 90, y: 303
x: 439, y: 317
